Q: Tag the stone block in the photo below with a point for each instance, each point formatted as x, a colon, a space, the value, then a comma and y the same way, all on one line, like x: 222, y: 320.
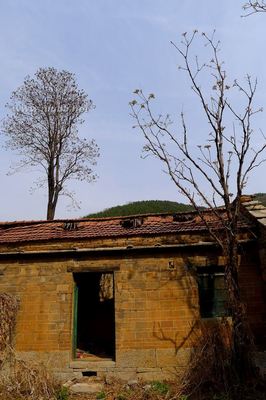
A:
x: 92, y: 387
x: 171, y: 358
x: 154, y: 374
x: 92, y: 365
x: 136, y: 358
x: 66, y: 376
x: 63, y: 288
x: 125, y: 374
x: 55, y: 359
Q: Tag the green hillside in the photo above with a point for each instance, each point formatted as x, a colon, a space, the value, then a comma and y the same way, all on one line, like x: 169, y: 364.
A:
x: 143, y: 207
x: 153, y: 207
x: 261, y: 197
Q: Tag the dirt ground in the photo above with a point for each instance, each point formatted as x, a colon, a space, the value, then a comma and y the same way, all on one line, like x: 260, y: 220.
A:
x: 130, y: 391
x: 161, y: 391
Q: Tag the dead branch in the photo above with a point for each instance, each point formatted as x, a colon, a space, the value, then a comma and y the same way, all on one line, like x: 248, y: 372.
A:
x: 253, y: 7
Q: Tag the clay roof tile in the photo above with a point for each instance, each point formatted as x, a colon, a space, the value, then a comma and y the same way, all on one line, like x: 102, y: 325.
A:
x: 15, y: 232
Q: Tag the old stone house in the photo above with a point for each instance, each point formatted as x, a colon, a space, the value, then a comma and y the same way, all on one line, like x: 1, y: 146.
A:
x: 119, y: 296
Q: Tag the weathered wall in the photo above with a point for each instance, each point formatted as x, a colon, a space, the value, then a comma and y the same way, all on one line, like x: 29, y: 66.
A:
x: 253, y: 271
x: 253, y: 293
x: 262, y: 248
x: 156, y: 305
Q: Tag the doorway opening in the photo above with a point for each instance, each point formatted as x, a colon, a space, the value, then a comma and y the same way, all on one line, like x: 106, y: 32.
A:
x: 94, y: 315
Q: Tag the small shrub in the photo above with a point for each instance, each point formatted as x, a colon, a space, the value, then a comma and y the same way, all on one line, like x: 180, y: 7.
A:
x: 121, y: 396
x: 221, y: 396
x: 62, y: 393
x: 160, y: 387
x: 209, y: 366
x: 100, y: 396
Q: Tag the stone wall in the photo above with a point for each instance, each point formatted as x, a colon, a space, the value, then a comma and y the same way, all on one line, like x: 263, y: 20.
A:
x: 156, y: 306
x: 262, y: 249
x: 253, y: 293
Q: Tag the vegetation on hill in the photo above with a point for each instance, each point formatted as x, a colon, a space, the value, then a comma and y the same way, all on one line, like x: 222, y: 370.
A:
x: 143, y: 207
x: 261, y: 197
x: 153, y: 207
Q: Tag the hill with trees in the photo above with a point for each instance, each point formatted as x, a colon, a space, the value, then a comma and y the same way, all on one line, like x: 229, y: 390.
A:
x: 143, y: 207
x: 261, y: 197
x: 153, y: 207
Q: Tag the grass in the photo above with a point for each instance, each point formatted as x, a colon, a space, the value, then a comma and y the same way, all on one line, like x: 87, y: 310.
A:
x: 62, y: 393
x: 100, y: 396
x: 160, y: 387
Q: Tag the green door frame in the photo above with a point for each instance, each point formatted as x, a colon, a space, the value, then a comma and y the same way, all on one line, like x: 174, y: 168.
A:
x: 75, y: 321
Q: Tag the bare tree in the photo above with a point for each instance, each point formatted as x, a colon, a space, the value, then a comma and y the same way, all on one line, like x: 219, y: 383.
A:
x: 42, y: 125
x: 212, y: 172
x: 253, y: 7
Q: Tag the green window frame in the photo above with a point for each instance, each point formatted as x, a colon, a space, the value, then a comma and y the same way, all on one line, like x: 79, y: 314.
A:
x: 212, y: 292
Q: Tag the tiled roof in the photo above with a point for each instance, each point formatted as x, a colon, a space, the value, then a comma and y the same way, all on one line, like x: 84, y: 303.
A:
x: 146, y: 225
x: 256, y: 209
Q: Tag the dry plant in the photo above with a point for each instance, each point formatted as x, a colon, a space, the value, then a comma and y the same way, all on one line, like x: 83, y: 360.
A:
x: 21, y: 379
x: 139, y: 390
x: 210, y: 370
x: 210, y: 361
x: 8, y: 312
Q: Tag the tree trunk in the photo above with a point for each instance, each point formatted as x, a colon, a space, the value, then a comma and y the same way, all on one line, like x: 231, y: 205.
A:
x: 51, y: 204
x: 50, y: 211
x: 242, y: 340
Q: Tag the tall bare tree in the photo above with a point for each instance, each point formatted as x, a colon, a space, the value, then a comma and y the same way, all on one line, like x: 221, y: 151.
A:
x: 212, y: 172
x: 42, y: 125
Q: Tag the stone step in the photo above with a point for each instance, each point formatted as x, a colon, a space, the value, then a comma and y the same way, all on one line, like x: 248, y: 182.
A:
x: 92, y: 365
x: 84, y: 387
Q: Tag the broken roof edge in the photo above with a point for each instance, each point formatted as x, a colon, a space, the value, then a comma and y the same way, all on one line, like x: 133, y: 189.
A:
x: 244, y: 199
x: 248, y: 206
x: 94, y: 219
x: 188, y: 232
x: 144, y: 225
x: 254, y: 209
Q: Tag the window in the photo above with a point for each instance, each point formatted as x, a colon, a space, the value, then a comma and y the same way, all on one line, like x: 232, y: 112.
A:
x: 212, y: 292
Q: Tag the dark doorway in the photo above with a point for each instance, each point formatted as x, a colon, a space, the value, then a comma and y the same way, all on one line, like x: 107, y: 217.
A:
x: 94, y: 315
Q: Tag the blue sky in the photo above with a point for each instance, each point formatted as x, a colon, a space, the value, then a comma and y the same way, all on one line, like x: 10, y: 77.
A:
x: 113, y: 47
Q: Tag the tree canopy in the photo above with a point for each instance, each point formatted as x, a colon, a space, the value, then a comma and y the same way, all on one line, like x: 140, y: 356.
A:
x: 42, y: 125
